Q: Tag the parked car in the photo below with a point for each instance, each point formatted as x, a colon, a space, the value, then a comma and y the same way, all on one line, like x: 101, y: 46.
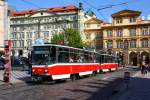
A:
x: 16, y: 61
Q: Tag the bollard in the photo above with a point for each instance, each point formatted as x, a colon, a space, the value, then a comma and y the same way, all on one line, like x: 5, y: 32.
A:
x: 127, y: 79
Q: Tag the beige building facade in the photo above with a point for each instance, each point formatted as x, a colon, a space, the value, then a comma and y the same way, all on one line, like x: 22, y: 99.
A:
x: 128, y: 36
x: 94, y: 33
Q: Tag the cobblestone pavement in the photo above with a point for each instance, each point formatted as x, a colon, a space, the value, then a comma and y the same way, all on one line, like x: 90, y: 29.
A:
x: 139, y: 88
x: 99, y: 87
x: 16, y: 76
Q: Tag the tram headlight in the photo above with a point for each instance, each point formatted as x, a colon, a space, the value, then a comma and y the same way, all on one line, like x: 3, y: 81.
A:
x: 33, y: 70
x: 46, y: 70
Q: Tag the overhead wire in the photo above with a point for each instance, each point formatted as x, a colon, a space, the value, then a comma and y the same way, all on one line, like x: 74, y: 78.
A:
x: 30, y: 3
x: 94, y: 8
x: 110, y: 6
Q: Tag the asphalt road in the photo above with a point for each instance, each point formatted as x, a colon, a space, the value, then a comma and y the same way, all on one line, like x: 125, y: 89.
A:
x: 99, y: 87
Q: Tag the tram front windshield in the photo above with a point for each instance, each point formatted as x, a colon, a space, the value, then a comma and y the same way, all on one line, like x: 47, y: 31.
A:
x: 43, y: 55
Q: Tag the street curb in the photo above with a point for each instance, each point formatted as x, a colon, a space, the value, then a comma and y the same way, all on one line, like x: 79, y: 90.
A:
x: 122, y: 89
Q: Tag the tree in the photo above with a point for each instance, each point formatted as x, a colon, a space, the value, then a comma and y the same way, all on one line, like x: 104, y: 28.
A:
x: 58, y: 39
x: 72, y: 36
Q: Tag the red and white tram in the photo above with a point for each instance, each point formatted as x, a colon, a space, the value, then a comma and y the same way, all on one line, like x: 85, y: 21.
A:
x: 60, y: 62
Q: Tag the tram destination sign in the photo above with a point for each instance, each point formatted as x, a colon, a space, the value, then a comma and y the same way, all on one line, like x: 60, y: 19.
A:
x: 41, y: 50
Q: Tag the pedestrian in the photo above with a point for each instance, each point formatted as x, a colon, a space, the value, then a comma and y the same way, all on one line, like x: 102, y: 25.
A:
x: 147, y: 66
x: 143, y: 69
x: 71, y: 59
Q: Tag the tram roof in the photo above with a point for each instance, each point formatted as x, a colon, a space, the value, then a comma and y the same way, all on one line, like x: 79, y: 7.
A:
x: 64, y: 47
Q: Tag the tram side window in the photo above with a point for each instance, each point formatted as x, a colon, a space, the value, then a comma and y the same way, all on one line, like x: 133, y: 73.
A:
x: 87, y: 57
x: 80, y: 57
x: 73, y: 56
x: 109, y: 59
x: 102, y: 59
x: 63, y: 55
x: 98, y: 58
x: 53, y: 54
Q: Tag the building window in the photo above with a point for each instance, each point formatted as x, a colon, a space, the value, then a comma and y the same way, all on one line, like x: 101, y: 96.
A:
x: 30, y: 34
x: 132, y: 32
x: 118, y: 20
x: 144, y: 31
x: 88, y: 25
x: 98, y: 26
x: 133, y: 44
x: 74, y: 18
x: 29, y: 43
x: 14, y: 43
x: 132, y: 20
x: 21, y: 43
x: 109, y: 33
x: 88, y: 36
x: 75, y: 25
x: 15, y: 35
x: 119, y: 44
x: 109, y: 44
x: 119, y: 33
x: 27, y: 33
x: 144, y: 43
x: 46, y: 34
x: 12, y: 35
x: 36, y: 34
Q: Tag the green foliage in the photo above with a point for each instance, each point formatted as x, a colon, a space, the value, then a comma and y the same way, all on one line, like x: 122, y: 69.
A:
x: 72, y: 36
x: 58, y: 39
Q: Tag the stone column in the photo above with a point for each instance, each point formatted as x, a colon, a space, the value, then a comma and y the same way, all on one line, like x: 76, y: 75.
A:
x: 125, y: 56
x: 125, y: 52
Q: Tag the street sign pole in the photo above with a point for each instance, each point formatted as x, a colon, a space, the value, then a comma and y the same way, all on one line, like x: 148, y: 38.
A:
x: 9, y: 63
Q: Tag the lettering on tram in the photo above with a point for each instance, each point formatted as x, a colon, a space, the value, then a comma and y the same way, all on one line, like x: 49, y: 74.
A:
x: 62, y: 62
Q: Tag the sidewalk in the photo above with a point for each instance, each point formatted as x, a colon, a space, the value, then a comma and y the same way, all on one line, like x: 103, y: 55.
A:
x: 16, y: 76
x: 139, y: 88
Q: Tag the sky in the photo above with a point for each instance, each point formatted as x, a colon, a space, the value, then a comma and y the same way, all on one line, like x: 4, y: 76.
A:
x: 94, y: 5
